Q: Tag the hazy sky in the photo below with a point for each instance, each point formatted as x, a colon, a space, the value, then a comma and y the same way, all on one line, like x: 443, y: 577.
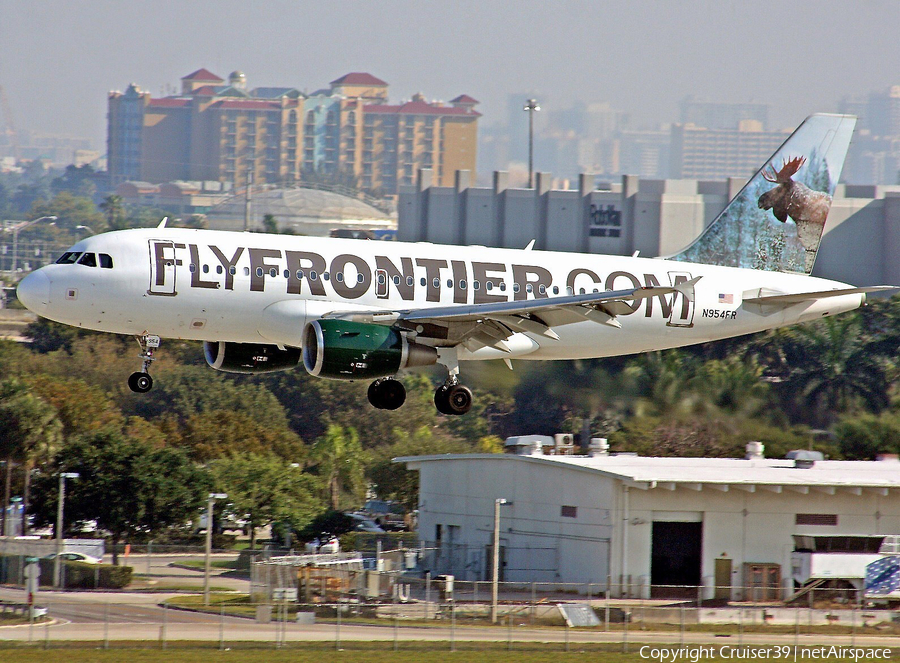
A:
x: 59, y: 58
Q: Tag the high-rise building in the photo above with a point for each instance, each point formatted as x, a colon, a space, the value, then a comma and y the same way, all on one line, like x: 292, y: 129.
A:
x: 719, y: 115
x: 348, y: 132
x: 701, y: 153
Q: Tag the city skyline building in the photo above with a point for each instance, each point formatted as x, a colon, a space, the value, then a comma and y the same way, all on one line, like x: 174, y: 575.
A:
x: 226, y: 132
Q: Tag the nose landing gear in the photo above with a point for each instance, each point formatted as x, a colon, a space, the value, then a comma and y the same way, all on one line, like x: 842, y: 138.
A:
x: 141, y: 382
x: 387, y: 394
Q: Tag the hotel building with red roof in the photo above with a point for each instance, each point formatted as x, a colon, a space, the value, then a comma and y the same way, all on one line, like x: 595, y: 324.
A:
x: 218, y: 130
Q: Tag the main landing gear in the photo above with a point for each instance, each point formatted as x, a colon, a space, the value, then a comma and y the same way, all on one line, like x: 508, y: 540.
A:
x: 452, y: 398
x: 141, y: 382
x: 387, y: 394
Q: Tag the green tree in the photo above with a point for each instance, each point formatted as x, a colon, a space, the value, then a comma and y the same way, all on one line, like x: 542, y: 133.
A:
x: 114, y: 210
x: 71, y: 211
x: 30, y: 430
x: 392, y: 481
x: 270, y: 223
x: 826, y: 368
x: 128, y: 487
x: 264, y: 488
x: 338, y: 459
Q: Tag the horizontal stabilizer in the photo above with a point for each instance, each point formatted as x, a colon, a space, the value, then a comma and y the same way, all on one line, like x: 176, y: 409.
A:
x: 800, y: 297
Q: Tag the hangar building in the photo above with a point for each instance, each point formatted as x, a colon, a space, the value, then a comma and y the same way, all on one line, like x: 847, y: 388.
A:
x: 718, y: 523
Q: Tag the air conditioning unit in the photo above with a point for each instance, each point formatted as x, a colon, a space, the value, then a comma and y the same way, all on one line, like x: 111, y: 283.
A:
x: 564, y: 444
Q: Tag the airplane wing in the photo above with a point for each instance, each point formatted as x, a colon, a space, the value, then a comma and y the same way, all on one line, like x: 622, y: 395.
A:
x: 490, y: 324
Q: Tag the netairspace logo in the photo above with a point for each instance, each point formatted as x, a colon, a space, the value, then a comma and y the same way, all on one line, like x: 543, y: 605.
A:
x: 774, y: 653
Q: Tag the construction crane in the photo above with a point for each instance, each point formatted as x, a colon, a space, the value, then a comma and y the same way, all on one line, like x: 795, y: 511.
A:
x: 9, y: 124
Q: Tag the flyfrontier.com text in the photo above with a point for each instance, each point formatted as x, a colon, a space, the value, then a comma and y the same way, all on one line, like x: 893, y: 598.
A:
x: 774, y: 653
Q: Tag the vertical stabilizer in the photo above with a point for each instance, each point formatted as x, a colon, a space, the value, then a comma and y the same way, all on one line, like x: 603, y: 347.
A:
x: 776, y: 222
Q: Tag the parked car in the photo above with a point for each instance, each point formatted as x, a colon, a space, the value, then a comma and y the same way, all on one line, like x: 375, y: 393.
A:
x: 76, y: 557
x: 388, y: 515
x: 362, y: 523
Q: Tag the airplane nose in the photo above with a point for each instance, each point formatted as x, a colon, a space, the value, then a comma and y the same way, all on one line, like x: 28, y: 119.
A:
x: 34, y: 291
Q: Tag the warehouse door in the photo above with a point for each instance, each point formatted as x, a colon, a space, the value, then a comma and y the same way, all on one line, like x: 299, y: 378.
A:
x: 675, y: 558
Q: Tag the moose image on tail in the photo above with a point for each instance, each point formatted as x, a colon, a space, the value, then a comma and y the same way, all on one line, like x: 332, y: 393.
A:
x: 808, y: 208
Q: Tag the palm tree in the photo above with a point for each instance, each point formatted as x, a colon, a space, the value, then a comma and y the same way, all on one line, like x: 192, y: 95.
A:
x: 828, y: 368
x: 115, y: 212
x: 339, y: 457
x: 30, y: 431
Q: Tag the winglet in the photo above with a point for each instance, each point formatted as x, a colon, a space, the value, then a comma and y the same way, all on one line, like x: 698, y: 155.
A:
x: 687, y: 288
x: 530, y: 246
x: 162, y: 224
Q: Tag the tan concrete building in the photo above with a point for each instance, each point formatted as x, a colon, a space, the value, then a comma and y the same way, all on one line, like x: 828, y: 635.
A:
x: 225, y: 132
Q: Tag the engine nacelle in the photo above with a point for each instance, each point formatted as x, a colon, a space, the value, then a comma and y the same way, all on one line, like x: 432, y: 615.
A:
x: 249, y: 357
x: 344, y: 350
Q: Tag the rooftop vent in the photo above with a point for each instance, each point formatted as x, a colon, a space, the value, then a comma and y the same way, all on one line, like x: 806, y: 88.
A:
x: 598, y: 447
x: 804, y: 459
x: 527, y: 445
x: 754, y: 450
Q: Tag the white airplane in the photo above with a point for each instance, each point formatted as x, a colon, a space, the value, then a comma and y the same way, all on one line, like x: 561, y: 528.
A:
x: 365, y: 310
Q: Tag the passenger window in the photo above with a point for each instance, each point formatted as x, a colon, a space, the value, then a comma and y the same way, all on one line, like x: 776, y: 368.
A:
x: 259, y: 271
x: 556, y: 290
x: 273, y: 272
x: 287, y: 274
x: 462, y: 285
x: 396, y: 280
x: 206, y: 269
x: 313, y: 275
x: 437, y: 283
x: 476, y: 285
x: 515, y: 287
x: 325, y: 276
x: 232, y: 270
x: 503, y: 287
x: 88, y: 260
x: 449, y: 283
x: 422, y: 281
x: 490, y: 285
x: 409, y: 281
x: 542, y: 289
x: 381, y: 279
x: 218, y: 269
x: 529, y: 288
x: 299, y: 274
x: 360, y: 278
x: 192, y: 267
x: 106, y: 261
x: 339, y: 277
x: 247, y: 271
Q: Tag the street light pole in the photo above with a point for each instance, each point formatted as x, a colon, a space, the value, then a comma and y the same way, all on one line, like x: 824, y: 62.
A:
x: 16, y: 229
x: 59, y: 522
x: 209, y: 527
x: 531, y: 106
x: 496, y: 561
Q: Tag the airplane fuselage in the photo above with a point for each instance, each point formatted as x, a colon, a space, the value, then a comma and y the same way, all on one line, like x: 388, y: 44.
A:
x: 260, y: 288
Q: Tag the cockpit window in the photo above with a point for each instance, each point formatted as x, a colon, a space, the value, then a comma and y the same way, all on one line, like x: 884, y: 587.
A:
x: 69, y: 258
x: 106, y: 261
x: 88, y: 260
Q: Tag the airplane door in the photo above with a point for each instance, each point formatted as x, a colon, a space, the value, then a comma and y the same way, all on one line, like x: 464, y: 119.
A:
x: 381, y: 283
x: 682, y: 307
x: 162, y: 267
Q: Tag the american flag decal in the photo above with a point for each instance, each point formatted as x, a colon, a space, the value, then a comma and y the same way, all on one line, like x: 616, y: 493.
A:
x: 726, y: 298
x: 883, y: 576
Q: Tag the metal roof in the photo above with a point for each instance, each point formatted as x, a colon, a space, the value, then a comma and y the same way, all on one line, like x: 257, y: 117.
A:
x: 771, y: 474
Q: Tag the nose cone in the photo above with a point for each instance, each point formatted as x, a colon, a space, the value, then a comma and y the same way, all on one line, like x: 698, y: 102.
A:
x: 34, y: 291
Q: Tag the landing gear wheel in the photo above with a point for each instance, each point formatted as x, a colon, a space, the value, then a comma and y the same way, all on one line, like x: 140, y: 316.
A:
x: 140, y: 382
x: 387, y: 394
x: 453, y: 399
